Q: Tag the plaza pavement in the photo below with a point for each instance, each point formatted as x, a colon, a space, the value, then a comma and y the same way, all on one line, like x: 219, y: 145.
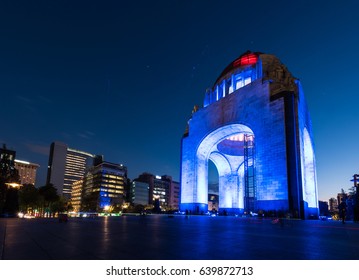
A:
x: 160, y: 237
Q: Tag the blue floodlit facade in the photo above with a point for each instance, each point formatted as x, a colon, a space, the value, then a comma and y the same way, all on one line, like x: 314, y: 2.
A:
x: 255, y: 127
x: 104, y: 186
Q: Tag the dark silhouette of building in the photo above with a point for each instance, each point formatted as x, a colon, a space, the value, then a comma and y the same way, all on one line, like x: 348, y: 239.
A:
x: 323, y: 208
x: 140, y: 192
x: 162, y: 190
x: 9, y: 173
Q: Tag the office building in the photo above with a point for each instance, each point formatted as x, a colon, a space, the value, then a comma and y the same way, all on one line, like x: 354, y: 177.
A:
x: 8, y: 173
x: 323, y: 208
x: 66, y: 166
x: 175, y: 194
x: 162, y: 189
x: 27, y: 171
x: 104, y: 187
x: 76, y: 195
x: 140, y: 192
x: 7, y: 162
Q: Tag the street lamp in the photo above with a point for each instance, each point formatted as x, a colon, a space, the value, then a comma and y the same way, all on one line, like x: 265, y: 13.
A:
x: 13, y: 185
x: 356, y: 205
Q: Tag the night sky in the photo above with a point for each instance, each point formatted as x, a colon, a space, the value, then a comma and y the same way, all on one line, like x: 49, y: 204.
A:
x: 120, y: 78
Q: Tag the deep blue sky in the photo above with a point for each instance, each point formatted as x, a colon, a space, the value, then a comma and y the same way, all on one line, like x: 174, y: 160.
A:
x: 120, y: 78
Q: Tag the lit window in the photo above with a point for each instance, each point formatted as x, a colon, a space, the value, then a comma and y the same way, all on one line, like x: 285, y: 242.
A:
x: 230, y: 90
x: 247, y: 81
x: 239, y: 83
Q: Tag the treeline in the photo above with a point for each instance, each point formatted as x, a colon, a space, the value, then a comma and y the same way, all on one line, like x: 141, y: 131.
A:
x: 29, y: 199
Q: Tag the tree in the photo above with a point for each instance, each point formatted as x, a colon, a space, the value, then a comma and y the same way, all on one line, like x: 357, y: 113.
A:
x: 352, y: 191
x: 69, y: 207
x: 29, y: 197
x: 139, y: 208
x: 90, y: 202
x: 3, y: 189
x: 11, y: 205
x: 58, y: 205
x: 8, y: 174
x: 48, y: 195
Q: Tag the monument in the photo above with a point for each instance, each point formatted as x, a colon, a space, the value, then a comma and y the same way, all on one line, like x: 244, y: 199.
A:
x: 255, y: 127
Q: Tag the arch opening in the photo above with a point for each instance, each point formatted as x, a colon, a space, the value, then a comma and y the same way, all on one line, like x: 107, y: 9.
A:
x: 230, y: 149
x: 213, y: 190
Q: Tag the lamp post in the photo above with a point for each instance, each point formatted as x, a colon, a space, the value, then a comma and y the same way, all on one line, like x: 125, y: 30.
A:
x: 356, y: 205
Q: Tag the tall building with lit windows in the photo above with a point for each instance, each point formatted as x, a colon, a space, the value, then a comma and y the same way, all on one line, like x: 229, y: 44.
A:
x: 27, y: 171
x: 104, y: 186
x: 76, y: 195
x: 66, y: 166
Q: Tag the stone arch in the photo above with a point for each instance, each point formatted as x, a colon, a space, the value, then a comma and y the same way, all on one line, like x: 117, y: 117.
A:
x: 255, y: 91
x: 230, y: 168
x: 308, y: 171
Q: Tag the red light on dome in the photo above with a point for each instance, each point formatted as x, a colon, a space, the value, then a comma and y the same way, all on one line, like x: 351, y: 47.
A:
x: 247, y: 59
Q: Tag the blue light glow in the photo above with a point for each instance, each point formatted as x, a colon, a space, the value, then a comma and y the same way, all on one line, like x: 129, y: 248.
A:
x: 230, y: 170
x: 248, y: 129
x: 308, y: 172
